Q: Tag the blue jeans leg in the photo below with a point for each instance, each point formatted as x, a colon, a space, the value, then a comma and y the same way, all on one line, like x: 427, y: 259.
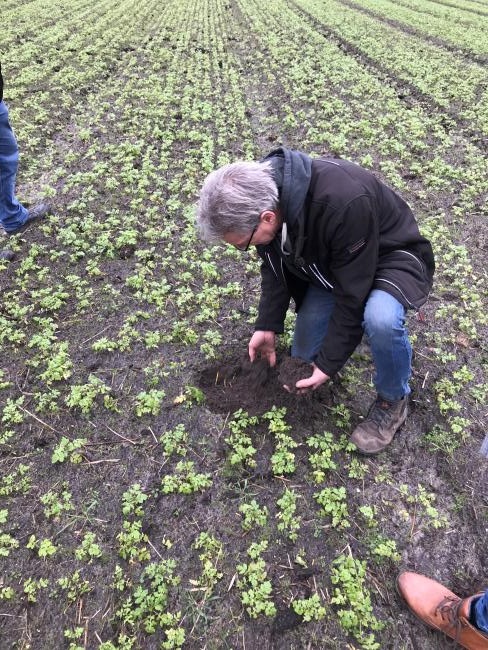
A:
x: 384, y: 324
x: 12, y: 213
x: 481, y: 613
x: 312, y: 322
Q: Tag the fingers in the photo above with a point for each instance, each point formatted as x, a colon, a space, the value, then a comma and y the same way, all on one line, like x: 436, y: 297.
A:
x: 306, y: 383
x: 297, y: 391
x: 269, y: 356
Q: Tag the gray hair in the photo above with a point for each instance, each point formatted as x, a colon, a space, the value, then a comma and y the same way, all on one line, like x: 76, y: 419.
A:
x: 233, y: 197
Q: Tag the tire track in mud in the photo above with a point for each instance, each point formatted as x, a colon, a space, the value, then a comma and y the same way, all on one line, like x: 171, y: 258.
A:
x: 431, y: 12
x: 385, y: 75
x: 454, y: 6
x: 259, y: 105
x: 458, y: 50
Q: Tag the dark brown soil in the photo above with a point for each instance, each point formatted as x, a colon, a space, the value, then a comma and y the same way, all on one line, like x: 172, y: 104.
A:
x: 256, y: 387
x: 430, y: 501
x: 292, y: 370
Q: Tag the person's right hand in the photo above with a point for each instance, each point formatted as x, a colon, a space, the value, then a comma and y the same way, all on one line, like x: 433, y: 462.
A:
x: 262, y: 344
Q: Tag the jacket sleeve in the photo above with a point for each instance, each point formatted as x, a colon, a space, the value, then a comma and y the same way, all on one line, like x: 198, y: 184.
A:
x: 352, y: 249
x: 274, y: 302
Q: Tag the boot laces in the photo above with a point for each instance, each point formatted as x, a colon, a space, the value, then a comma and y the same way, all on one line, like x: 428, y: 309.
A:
x: 380, y: 411
x: 448, y: 609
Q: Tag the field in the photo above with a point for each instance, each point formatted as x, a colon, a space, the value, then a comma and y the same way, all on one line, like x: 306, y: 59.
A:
x: 155, y: 490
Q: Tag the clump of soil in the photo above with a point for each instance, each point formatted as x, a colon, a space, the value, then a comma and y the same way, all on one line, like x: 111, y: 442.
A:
x: 257, y: 373
x: 255, y: 387
x: 292, y: 370
x: 286, y: 619
x: 233, y: 384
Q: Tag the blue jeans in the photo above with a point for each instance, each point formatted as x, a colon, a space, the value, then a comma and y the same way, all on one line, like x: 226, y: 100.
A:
x: 12, y: 213
x: 481, y: 613
x: 384, y: 325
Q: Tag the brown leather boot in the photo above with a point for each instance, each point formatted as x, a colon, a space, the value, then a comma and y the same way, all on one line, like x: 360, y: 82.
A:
x: 382, y: 422
x: 441, y: 609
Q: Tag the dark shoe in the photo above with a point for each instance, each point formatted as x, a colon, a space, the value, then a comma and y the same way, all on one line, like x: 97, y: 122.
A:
x: 382, y: 422
x: 37, y: 212
x: 7, y: 255
x: 441, y: 609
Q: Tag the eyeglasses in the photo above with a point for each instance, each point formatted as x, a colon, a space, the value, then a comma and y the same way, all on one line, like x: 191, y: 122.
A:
x: 246, y: 247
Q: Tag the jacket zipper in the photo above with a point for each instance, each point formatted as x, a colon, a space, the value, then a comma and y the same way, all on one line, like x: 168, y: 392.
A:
x: 320, y: 276
x: 414, y: 257
x: 271, y: 264
x: 283, y: 273
x: 398, y: 289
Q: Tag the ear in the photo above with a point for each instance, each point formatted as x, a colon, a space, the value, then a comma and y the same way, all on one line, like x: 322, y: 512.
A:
x: 268, y: 216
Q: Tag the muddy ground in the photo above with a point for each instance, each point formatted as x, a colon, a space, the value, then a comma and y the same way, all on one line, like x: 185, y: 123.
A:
x: 448, y: 544
x: 429, y: 499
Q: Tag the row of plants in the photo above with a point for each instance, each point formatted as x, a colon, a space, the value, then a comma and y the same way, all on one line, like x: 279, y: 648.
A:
x: 114, y: 303
x: 453, y: 25
x: 62, y: 62
x: 449, y: 81
x: 471, y: 6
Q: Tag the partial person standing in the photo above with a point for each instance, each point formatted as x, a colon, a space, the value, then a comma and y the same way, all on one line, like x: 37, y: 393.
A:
x: 14, y: 216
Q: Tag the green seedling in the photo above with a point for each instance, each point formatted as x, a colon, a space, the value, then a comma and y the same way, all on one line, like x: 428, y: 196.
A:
x: 310, y: 609
x: 255, y: 588
x: 253, y: 515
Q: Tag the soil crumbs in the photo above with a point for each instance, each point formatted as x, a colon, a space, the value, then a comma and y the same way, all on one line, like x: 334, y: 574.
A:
x: 131, y: 451
x: 257, y: 387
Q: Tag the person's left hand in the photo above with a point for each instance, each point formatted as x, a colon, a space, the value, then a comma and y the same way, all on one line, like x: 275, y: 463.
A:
x: 311, y: 383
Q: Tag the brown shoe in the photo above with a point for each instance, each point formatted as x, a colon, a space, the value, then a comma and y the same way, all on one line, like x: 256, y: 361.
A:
x: 441, y: 609
x: 382, y: 422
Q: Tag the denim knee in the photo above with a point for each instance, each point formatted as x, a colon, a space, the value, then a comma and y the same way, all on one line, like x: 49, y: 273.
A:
x: 312, y: 323
x: 383, y: 317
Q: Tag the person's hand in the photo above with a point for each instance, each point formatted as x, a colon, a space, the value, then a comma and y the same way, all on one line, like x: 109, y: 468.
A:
x: 262, y: 344
x: 316, y: 379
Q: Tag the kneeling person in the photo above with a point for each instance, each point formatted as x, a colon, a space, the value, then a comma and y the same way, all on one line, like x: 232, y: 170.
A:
x: 347, y: 249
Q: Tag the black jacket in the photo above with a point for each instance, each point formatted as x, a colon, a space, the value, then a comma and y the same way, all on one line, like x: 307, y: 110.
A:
x: 348, y: 233
x: 1, y: 84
